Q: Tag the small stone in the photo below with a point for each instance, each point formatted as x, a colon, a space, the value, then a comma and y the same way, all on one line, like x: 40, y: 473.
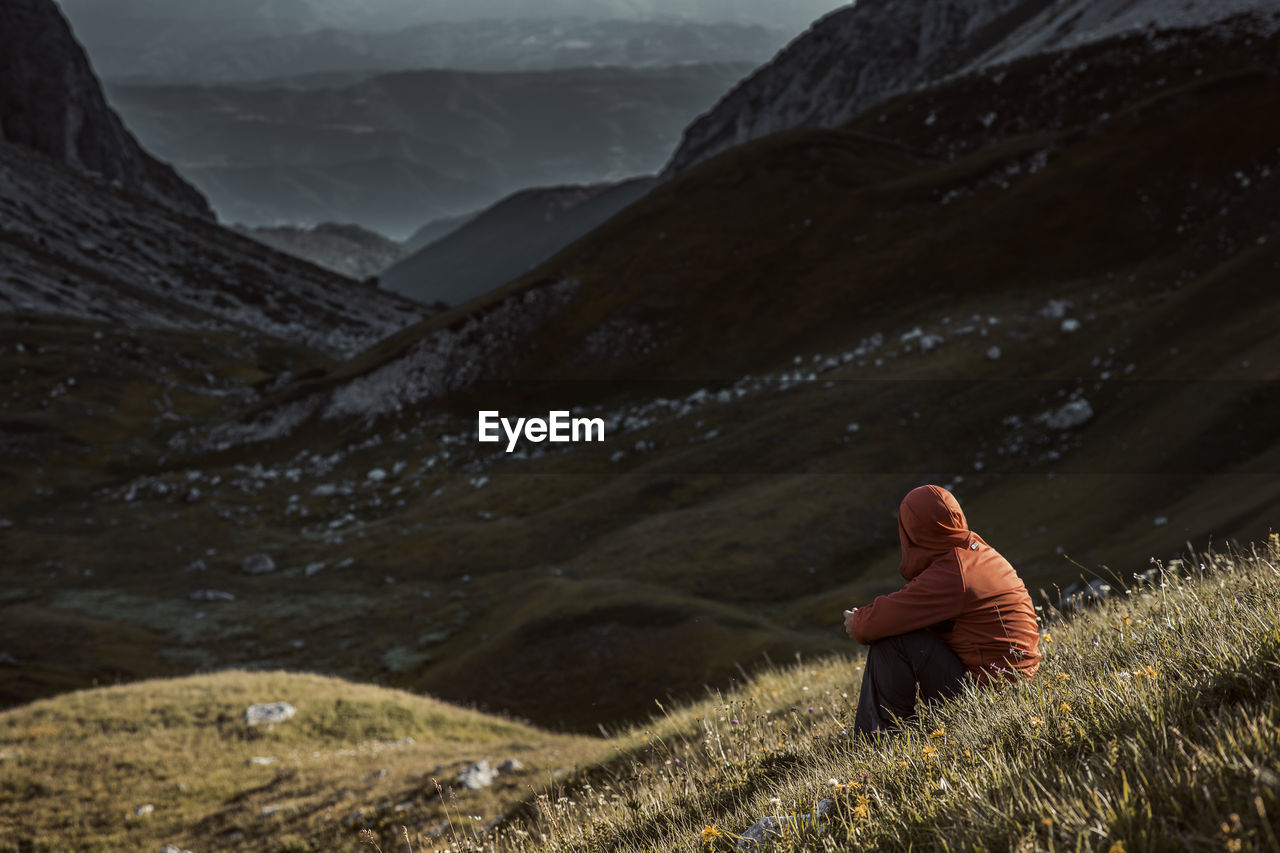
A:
x: 764, y: 831
x: 269, y: 713
x: 377, y: 475
x: 477, y: 776
x: 211, y: 595
x: 314, y: 568
x: 511, y: 765
x: 144, y: 810
x: 172, y: 848
x: 197, y: 566
x: 1160, y: 521
x: 268, y: 811
x: 258, y: 564
x: 994, y: 353
x: 263, y: 760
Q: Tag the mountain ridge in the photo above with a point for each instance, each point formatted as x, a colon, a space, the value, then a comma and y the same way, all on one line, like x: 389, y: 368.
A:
x: 51, y: 101
x: 856, y: 57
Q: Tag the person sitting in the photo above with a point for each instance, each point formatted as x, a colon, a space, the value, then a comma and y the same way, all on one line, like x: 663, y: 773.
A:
x: 963, y: 614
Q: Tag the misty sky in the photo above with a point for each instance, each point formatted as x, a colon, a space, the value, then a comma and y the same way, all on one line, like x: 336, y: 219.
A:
x: 283, y: 15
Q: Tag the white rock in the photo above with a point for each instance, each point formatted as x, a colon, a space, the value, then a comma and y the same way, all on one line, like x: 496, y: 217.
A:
x: 511, y: 765
x: 1071, y: 414
x: 314, y: 568
x: 377, y: 475
x: 263, y: 760
x: 211, y: 595
x: 477, y: 776
x: 1070, y: 324
x: 1160, y: 521
x: 144, y: 810
x: 258, y: 564
x: 268, y: 712
x: 994, y: 353
x: 170, y: 848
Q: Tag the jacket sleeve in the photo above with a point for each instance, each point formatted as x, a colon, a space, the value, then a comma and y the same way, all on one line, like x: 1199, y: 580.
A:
x: 933, y: 596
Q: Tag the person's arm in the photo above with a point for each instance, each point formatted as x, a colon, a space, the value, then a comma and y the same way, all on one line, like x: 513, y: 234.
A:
x: 934, y: 596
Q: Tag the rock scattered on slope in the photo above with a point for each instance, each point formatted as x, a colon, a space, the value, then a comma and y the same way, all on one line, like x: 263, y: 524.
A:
x: 477, y: 776
x: 769, y: 828
x: 212, y: 595
x: 258, y: 564
x: 268, y: 713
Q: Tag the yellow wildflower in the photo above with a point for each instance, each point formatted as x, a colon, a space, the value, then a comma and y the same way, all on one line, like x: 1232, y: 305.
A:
x: 939, y: 732
x: 1064, y: 708
x: 863, y: 809
x: 929, y: 752
x: 1036, y: 721
x: 711, y: 833
x: 1116, y: 847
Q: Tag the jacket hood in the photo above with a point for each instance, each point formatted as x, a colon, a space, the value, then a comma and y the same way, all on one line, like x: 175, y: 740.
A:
x: 931, y: 525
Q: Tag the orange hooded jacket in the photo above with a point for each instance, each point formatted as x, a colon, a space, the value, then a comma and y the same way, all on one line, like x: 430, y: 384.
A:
x: 954, y: 576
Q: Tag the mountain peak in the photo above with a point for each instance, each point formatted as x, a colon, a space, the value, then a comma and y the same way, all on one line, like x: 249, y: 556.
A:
x: 51, y: 101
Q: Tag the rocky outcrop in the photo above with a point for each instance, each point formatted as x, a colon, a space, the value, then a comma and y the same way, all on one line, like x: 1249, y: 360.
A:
x: 863, y: 54
x: 51, y: 101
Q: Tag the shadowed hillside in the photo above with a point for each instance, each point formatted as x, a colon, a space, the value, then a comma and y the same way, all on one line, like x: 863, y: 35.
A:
x: 1046, y: 285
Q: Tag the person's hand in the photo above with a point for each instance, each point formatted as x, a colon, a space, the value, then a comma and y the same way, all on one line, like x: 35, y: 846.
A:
x: 848, y: 621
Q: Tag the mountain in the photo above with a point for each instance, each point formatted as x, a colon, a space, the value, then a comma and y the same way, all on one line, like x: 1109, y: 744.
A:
x: 863, y: 54
x: 51, y: 101
x: 346, y: 249
x: 77, y: 247
x: 1048, y: 285
x: 435, y: 229
x: 507, y: 240
x: 397, y: 150
x: 158, y: 53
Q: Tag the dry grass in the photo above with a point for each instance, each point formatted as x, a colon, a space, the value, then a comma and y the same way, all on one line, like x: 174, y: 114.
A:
x: 1152, y: 726
x: 74, y: 769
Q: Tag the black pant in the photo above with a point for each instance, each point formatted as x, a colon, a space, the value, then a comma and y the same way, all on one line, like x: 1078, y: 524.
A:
x: 896, y: 666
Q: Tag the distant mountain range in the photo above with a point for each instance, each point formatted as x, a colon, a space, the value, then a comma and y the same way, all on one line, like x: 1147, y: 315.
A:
x: 395, y: 151
x: 161, y: 52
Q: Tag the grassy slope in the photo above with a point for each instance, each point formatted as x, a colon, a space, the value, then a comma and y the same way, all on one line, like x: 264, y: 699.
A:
x: 1152, y: 725
x: 74, y: 769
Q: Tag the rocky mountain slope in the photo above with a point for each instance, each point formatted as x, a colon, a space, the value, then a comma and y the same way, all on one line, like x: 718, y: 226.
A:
x: 507, y: 240
x: 51, y: 101
x: 394, y: 151
x: 346, y: 249
x: 1047, y: 285
x: 81, y: 248
x: 861, y: 55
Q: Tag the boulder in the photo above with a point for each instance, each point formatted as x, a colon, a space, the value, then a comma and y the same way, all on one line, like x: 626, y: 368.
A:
x: 477, y: 776
x: 268, y: 713
x: 258, y: 564
x: 770, y: 828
